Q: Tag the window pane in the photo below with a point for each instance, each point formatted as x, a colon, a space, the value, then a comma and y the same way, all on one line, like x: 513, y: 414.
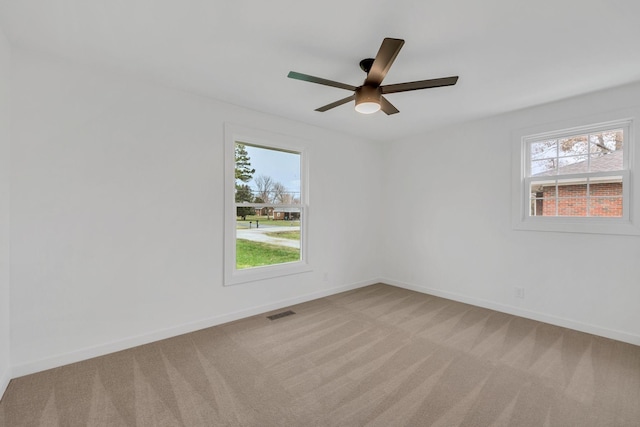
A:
x: 605, y: 196
x: 572, y: 187
x: 572, y: 164
x: 605, y: 186
x: 606, y: 151
x: 576, y: 197
x: 545, y: 188
x: 572, y: 197
x: 596, y: 152
x: 605, y: 206
x: 267, y: 235
x: 543, y: 198
x: 543, y: 167
x: 543, y: 149
x: 607, y: 141
x: 535, y: 200
x: 573, y: 146
x: 543, y: 206
x: 572, y: 207
x: 268, y: 240
x: 277, y: 175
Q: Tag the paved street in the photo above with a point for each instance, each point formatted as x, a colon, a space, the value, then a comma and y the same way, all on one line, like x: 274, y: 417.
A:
x: 260, y: 235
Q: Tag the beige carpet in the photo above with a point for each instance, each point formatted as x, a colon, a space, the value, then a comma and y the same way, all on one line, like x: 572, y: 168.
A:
x: 377, y: 356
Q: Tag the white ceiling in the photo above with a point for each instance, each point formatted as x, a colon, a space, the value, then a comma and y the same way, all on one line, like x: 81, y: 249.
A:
x: 509, y: 54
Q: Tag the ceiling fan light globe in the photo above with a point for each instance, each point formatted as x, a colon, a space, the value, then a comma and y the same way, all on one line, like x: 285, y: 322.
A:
x: 368, y: 107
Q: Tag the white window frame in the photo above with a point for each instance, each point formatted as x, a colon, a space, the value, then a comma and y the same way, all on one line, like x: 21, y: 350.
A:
x: 254, y: 137
x: 628, y: 224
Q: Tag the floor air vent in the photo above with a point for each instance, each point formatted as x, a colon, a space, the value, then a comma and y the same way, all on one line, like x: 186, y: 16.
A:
x: 279, y: 315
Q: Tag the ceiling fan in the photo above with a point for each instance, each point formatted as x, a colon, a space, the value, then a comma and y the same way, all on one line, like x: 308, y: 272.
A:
x: 369, y: 97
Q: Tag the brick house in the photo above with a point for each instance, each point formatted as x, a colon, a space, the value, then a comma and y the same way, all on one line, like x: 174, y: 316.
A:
x: 604, y: 198
x: 286, y: 214
x: 266, y: 211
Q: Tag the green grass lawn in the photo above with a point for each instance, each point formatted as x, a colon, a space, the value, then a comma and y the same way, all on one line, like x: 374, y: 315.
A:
x: 254, y: 254
x: 293, y: 235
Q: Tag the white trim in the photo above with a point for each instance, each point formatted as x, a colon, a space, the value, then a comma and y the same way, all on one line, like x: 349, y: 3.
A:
x: 134, y: 341
x: 629, y: 224
x: 236, y: 133
x: 4, y: 382
x: 521, y: 312
x: 124, y: 344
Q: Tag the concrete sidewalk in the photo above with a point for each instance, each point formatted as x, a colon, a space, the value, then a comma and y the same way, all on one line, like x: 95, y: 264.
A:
x: 260, y: 235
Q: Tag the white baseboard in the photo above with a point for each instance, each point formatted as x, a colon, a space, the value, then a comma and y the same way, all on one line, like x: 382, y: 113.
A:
x: 102, y: 349
x: 521, y: 312
x: 5, y: 377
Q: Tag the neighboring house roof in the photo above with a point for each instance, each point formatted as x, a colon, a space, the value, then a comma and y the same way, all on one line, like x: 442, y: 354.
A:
x: 607, y: 162
x: 297, y: 210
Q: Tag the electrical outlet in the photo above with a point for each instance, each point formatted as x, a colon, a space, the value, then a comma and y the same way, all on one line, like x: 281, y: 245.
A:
x: 519, y: 292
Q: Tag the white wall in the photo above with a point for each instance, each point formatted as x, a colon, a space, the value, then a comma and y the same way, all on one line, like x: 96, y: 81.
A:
x: 118, y: 217
x: 450, y: 234
x: 5, y: 332
x: 117, y: 221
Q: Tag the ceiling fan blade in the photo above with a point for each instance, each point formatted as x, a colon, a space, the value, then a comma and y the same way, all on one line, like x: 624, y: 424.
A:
x: 385, y: 57
x: 421, y: 84
x: 336, y: 104
x: 387, y: 107
x: 312, y: 79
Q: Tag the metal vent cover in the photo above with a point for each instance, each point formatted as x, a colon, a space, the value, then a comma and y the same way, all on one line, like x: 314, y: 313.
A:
x: 279, y: 315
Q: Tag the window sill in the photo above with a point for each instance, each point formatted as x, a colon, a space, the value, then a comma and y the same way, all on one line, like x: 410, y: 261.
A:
x: 579, y: 225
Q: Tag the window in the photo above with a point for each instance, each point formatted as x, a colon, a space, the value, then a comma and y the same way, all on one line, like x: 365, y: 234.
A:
x: 577, y: 179
x: 266, y: 206
x: 577, y: 175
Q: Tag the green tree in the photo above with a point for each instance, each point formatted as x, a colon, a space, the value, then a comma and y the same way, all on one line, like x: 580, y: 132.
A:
x: 244, y: 194
x: 244, y: 172
x: 243, y: 211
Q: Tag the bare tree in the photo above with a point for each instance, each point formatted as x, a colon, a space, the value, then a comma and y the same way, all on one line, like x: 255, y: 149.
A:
x: 265, y: 187
x: 287, y: 199
x: 280, y: 193
x: 548, y: 155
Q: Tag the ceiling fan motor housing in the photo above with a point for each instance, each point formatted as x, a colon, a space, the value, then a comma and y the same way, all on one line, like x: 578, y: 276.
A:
x: 368, y: 94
